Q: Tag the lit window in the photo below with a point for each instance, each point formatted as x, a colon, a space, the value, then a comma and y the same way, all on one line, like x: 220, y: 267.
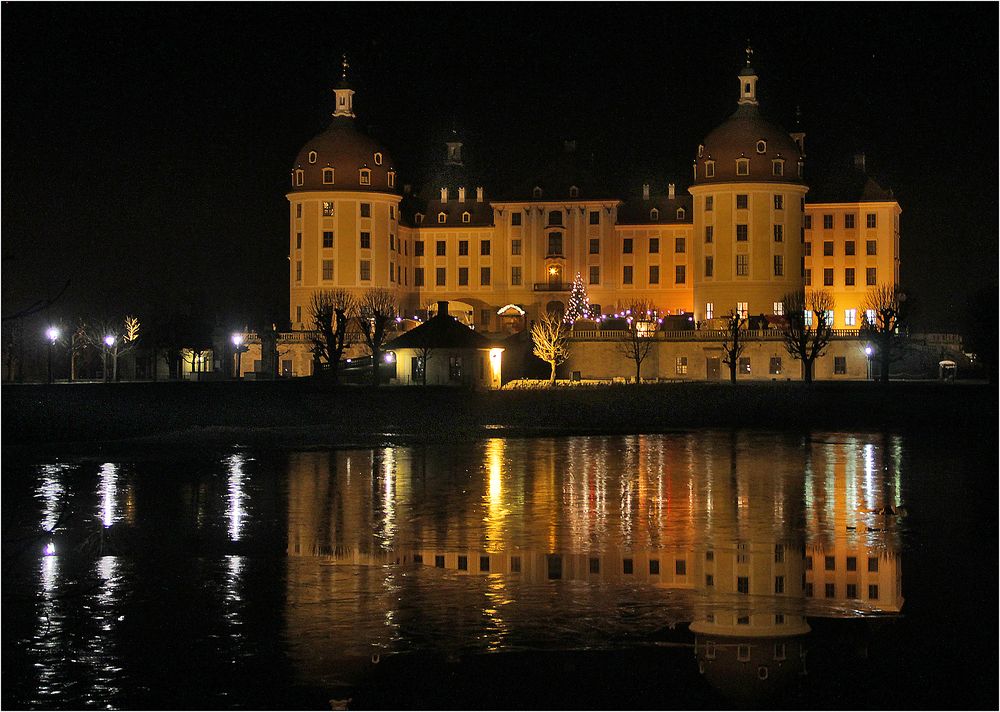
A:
x: 744, y: 365
x: 466, y: 217
x: 870, y: 316
x: 851, y: 317
x: 327, y: 208
x: 709, y: 314
x: 807, y: 317
x: 779, y: 308
x: 742, y: 167
x: 761, y: 146
x: 742, y: 308
x: 828, y: 317
x: 681, y: 366
x: 312, y: 156
x: 365, y: 176
x: 378, y: 159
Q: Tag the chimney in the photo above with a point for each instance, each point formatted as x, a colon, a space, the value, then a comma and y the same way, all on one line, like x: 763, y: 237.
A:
x: 444, y: 195
x: 442, y: 308
x: 645, y: 191
x: 479, y: 194
x: 670, y: 190
x: 461, y: 195
x: 407, y: 188
x: 859, y: 161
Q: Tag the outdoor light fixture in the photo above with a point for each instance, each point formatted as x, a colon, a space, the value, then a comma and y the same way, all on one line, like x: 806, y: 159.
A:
x: 237, y: 340
x: 109, y: 341
x: 52, y: 333
x: 390, y: 357
x: 50, y: 549
x: 868, y: 350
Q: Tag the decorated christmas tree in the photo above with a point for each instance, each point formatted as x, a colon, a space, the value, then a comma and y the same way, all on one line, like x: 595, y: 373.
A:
x: 579, y: 302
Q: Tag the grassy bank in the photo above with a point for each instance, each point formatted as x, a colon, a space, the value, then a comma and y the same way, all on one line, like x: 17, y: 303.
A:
x: 302, y: 412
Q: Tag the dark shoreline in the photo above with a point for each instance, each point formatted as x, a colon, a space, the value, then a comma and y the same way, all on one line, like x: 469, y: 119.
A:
x: 303, y: 413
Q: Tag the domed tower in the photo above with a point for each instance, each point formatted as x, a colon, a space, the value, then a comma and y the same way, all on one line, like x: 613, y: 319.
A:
x: 749, y: 198
x: 343, y: 213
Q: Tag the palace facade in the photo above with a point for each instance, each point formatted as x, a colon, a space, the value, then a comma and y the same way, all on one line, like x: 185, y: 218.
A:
x: 742, y: 235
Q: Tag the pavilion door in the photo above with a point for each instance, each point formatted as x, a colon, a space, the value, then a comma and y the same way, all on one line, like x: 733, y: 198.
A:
x: 713, y: 368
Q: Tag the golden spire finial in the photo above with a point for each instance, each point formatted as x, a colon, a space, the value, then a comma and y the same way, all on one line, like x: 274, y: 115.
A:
x: 344, y: 66
x: 749, y: 51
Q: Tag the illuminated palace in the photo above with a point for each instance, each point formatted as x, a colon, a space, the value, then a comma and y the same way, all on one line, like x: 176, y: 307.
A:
x: 743, y: 234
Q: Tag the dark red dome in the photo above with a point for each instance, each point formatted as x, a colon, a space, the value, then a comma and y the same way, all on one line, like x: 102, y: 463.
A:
x: 748, y: 135
x: 347, y: 151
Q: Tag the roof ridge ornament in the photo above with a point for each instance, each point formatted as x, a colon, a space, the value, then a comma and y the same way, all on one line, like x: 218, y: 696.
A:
x: 344, y: 66
x: 345, y: 95
x: 749, y: 51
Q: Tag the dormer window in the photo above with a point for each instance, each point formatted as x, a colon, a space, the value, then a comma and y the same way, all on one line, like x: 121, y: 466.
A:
x: 742, y: 166
x: 299, y: 176
x: 537, y: 192
x: 365, y: 176
x: 378, y: 159
x: 762, y: 146
x: 418, y: 218
x: 801, y: 166
x: 710, y: 169
x: 442, y: 218
x: 312, y: 156
x: 680, y: 213
x: 574, y: 192
x: 778, y: 168
x: 701, y: 150
x: 392, y: 179
x: 654, y: 214
x: 466, y: 217
x: 328, y: 176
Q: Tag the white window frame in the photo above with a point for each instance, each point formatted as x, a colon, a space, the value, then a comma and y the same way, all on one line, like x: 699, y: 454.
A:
x: 377, y: 158
x: 654, y: 214
x: 709, y: 310
x: 466, y: 217
x: 742, y: 166
x: 762, y: 146
x: 779, y: 308
x: 312, y: 156
x: 574, y: 192
x: 850, y: 317
x: 680, y: 213
x: 392, y: 179
x: 710, y: 169
x: 331, y: 173
x: 365, y: 176
x: 299, y: 177
x: 442, y: 218
x: 778, y: 167
x: 743, y: 309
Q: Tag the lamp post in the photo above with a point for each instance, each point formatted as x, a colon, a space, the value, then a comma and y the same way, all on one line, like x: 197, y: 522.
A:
x: 238, y: 343
x: 52, y: 333
x: 109, y: 341
x: 868, y: 356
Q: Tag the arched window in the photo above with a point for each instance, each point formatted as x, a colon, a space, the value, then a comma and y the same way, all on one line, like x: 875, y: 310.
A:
x: 378, y: 159
x: 328, y: 176
x: 742, y: 166
x: 680, y: 213
x: 442, y: 218
x: 701, y: 150
x: 418, y: 218
x: 365, y: 176
x: 710, y: 169
x: 537, y: 192
x: 555, y: 217
x: 392, y: 179
x: 466, y: 217
x: 778, y: 168
x: 574, y: 192
x: 299, y: 176
x: 654, y: 214
x: 312, y: 156
x: 761, y: 146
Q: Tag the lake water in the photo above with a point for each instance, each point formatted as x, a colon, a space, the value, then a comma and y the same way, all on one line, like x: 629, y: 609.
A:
x: 697, y: 569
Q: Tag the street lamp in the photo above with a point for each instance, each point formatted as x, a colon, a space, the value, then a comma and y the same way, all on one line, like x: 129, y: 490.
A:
x: 868, y: 355
x: 109, y: 341
x: 238, y: 343
x: 52, y: 333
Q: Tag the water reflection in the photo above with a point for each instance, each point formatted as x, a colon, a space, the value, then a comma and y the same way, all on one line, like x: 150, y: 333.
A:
x: 744, y: 548
x: 108, y: 491
x: 236, y: 496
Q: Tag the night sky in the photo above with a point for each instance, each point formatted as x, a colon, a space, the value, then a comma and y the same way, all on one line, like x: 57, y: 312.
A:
x: 146, y: 148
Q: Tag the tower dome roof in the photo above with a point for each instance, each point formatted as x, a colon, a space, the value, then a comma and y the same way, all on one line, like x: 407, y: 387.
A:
x: 747, y: 135
x: 348, y: 151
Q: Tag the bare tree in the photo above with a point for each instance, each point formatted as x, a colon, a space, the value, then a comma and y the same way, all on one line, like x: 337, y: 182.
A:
x: 550, y: 336
x: 733, y: 343
x: 377, y: 311
x: 111, y: 337
x: 807, y: 331
x: 331, y: 311
x: 884, y: 322
x: 639, y: 338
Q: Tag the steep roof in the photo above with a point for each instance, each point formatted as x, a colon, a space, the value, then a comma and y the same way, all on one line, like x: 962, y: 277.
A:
x: 441, y: 331
x: 850, y: 184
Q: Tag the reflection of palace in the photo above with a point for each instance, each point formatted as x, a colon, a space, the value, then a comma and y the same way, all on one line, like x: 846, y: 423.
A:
x: 743, y: 548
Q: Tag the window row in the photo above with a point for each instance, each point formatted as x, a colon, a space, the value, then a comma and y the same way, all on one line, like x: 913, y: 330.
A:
x: 329, y: 177
x: 377, y: 157
x: 871, y: 277
x: 441, y: 248
x: 441, y: 276
x: 871, y: 221
x: 743, y: 168
x: 680, y: 274
x: 850, y: 248
x: 329, y: 210
x: 743, y: 201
